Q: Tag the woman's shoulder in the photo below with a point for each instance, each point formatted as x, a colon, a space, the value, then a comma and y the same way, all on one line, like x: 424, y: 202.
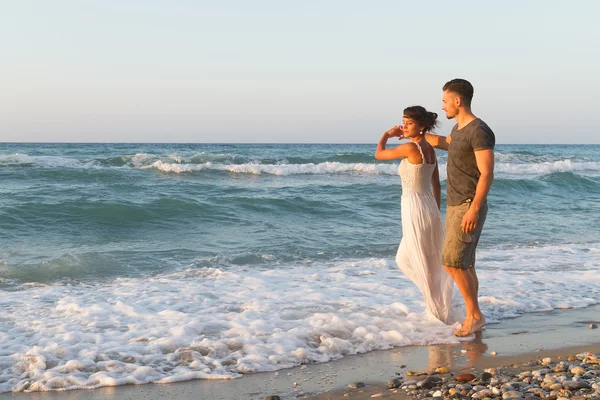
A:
x: 410, y: 147
x: 428, y: 150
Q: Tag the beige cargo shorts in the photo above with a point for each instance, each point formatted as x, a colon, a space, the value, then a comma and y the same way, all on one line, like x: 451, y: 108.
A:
x: 459, y: 247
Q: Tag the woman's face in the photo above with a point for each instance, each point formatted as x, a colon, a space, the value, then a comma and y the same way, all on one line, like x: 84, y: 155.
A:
x: 410, y: 127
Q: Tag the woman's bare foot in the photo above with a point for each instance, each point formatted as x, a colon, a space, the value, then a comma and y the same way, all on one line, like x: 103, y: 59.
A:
x: 470, y: 326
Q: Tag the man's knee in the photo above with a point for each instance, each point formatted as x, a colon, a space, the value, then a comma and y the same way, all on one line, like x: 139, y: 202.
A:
x: 454, y: 271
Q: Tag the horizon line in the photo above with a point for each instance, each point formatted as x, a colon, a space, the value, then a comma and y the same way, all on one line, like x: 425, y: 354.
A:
x: 266, y: 143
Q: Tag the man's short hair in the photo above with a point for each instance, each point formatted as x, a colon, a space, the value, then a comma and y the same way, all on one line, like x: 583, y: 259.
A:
x: 462, y: 88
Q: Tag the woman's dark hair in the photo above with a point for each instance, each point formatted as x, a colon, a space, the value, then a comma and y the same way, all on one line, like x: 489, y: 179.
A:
x: 427, y: 119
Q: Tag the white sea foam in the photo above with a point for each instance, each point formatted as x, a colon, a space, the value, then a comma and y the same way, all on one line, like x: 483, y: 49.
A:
x: 281, y: 169
x: 44, y: 161
x: 208, y: 323
x: 175, y: 163
x: 141, y: 159
x: 505, y: 170
x: 545, y: 168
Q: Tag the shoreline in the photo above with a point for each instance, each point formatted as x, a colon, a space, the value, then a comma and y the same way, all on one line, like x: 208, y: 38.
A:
x: 523, y: 339
x: 515, y: 363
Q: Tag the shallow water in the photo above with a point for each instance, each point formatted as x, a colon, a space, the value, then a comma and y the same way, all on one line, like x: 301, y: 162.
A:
x: 136, y: 263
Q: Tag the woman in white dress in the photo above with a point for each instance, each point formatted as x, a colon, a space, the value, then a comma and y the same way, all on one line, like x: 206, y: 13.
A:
x: 420, y: 252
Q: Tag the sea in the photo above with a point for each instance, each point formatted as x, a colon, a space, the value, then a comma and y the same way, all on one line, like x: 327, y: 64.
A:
x: 139, y: 263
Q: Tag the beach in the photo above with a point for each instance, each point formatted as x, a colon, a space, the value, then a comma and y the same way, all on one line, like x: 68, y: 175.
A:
x: 217, y: 200
x: 555, y: 334
x: 239, y: 200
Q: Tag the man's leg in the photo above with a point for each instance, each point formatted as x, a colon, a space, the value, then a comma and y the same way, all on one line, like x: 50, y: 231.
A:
x: 474, y: 275
x: 482, y: 217
x: 466, y: 280
x: 458, y: 258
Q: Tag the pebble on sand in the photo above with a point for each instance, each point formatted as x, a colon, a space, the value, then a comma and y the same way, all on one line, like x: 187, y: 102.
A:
x: 575, y: 379
x: 486, y: 376
x: 394, y: 383
x: 356, y: 385
x: 465, y: 377
x: 431, y: 382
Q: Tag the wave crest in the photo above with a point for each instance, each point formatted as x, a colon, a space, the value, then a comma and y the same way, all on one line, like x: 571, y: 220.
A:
x: 280, y: 169
x: 507, y: 165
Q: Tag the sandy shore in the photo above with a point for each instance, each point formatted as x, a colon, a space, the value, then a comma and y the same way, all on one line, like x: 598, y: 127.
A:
x: 558, y: 333
x: 518, y: 362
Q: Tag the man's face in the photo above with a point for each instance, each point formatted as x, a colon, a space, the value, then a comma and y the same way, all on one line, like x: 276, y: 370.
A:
x: 450, y: 104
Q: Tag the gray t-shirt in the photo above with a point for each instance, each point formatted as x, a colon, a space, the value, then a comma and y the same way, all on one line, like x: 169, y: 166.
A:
x: 462, y: 170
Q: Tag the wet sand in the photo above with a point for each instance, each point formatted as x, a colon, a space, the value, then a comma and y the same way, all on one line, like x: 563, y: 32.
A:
x: 529, y: 337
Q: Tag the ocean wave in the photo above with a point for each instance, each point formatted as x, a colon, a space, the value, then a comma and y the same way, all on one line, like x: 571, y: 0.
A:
x: 526, y: 157
x: 280, y: 169
x: 503, y: 169
x: 546, y: 168
x: 561, y: 180
x: 88, y: 214
x: 212, y: 323
x: 24, y: 160
x: 507, y: 165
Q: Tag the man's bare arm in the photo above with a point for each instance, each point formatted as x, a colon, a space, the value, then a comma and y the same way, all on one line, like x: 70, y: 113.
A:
x: 485, y: 164
x: 437, y: 141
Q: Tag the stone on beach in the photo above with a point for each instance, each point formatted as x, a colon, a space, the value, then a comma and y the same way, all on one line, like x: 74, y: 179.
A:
x: 465, y: 377
x: 431, y: 382
x: 356, y: 385
x: 511, y: 394
x: 486, y: 376
x: 394, y: 383
x: 575, y: 385
x: 577, y: 379
x: 577, y: 370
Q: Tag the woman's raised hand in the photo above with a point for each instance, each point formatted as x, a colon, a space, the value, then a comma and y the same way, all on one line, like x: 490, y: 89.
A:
x: 396, y: 131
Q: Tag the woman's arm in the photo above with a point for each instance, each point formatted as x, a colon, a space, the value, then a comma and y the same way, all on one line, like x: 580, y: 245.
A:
x: 436, y: 187
x: 391, y: 154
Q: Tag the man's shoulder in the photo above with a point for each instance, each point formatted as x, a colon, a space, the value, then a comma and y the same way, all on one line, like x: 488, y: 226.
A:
x: 480, y: 126
x: 481, y: 136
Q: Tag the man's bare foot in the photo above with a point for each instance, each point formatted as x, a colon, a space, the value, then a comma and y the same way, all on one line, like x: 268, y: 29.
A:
x: 470, y: 326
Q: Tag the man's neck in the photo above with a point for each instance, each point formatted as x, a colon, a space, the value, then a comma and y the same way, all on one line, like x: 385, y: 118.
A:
x: 464, y: 117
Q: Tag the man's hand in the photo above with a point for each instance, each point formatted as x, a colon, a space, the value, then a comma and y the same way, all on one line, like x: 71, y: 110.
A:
x: 469, y: 221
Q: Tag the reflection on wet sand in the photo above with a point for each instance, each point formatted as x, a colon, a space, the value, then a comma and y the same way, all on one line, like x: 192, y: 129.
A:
x: 464, y: 355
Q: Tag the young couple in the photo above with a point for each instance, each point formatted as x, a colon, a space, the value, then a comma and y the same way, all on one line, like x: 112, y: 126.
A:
x: 470, y: 171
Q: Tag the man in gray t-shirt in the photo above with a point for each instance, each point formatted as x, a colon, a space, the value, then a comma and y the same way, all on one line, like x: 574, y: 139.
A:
x: 462, y: 171
x: 470, y: 173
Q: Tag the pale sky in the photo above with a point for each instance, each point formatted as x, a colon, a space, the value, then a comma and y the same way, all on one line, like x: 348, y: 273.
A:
x: 293, y: 71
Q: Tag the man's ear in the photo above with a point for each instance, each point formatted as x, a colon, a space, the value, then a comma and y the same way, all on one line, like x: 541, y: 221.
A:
x: 458, y: 101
